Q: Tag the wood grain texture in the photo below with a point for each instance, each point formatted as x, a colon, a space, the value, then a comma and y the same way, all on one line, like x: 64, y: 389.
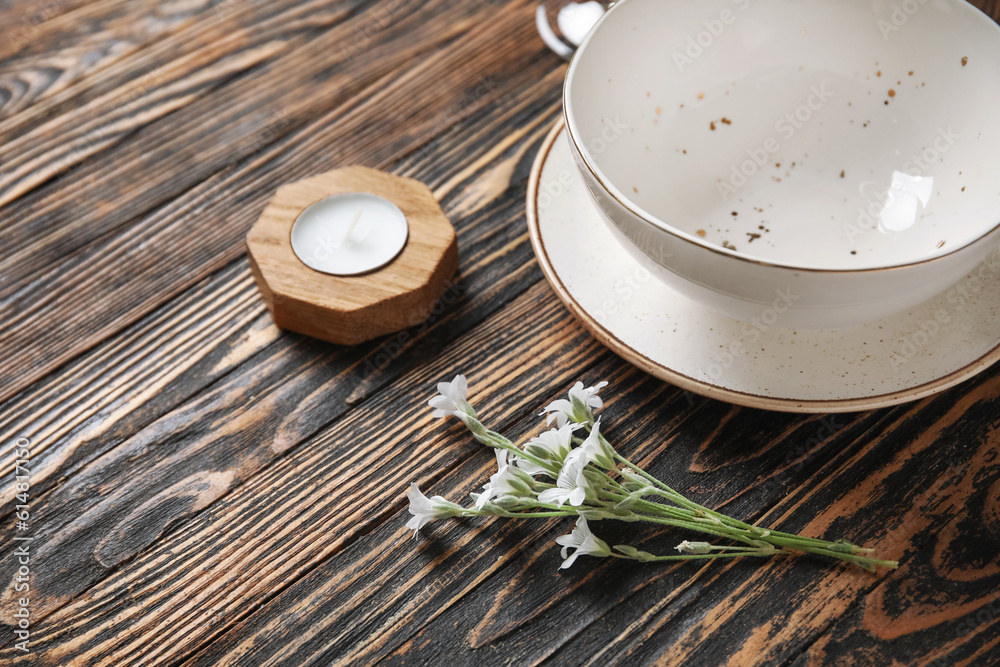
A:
x: 295, y: 515
x: 21, y: 23
x: 208, y: 490
x: 220, y: 176
x: 101, y: 399
x: 89, y: 38
x: 166, y: 443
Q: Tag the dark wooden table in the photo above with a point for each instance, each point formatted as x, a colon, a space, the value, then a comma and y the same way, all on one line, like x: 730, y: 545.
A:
x: 205, y: 489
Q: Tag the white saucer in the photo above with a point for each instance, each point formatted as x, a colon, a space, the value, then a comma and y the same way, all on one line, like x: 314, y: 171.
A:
x: 901, y: 358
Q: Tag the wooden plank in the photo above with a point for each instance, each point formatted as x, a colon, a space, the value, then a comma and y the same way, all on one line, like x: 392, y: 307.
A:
x: 143, y: 87
x: 365, y: 602
x: 51, y: 50
x: 111, y: 393
x: 62, y: 143
x: 904, y: 422
x: 939, y: 621
x: 747, y: 614
x: 490, y: 592
x: 532, y: 611
x: 319, y: 381
x: 182, y: 519
x: 105, y: 45
x: 159, y: 252
x: 990, y: 7
x: 942, y: 606
x: 196, y: 579
x: 620, y: 614
x: 22, y: 24
x: 106, y: 396
x: 834, y: 448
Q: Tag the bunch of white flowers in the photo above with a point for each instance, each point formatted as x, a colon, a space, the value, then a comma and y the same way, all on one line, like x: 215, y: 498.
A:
x: 572, y: 470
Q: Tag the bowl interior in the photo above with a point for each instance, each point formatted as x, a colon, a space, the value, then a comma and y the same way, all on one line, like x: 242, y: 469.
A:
x: 822, y: 134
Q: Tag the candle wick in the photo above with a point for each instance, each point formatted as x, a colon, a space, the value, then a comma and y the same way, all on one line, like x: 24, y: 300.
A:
x: 350, y: 229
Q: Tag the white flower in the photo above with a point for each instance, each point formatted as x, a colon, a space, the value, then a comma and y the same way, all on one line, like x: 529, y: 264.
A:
x: 504, y: 483
x: 557, y: 442
x: 451, y: 400
x: 571, y: 485
x: 579, y: 408
x: 584, y: 542
x: 596, y: 450
x: 425, y: 510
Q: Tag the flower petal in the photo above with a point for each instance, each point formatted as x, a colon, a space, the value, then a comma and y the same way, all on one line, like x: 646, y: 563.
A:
x: 568, y: 563
x: 556, y: 497
x: 419, y: 503
x: 442, y: 403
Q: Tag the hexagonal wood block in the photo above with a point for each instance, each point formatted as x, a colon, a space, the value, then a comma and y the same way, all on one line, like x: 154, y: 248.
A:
x: 353, y: 309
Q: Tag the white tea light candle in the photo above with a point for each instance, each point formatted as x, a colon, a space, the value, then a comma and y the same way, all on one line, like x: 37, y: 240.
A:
x: 349, y: 234
x: 352, y: 254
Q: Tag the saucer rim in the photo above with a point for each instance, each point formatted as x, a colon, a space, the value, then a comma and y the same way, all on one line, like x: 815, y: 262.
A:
x: 660, y: 371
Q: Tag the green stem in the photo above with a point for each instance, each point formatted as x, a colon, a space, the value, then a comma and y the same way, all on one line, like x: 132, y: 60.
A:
x: 808, y: 545
x: 519, y: 515
x: 689, y: 557
x: 721, y: 531
x: 497, y: 441
x: 668, y: 493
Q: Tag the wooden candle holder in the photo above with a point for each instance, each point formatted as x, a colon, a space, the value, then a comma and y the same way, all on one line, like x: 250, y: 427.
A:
x: 353, y: 309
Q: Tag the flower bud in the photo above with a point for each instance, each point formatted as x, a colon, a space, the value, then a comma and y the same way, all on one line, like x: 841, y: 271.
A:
x: 694, y: 548
x: 520, y: 486
x: 523, y: 476
x: 538, y: 452
x: 627, y: 503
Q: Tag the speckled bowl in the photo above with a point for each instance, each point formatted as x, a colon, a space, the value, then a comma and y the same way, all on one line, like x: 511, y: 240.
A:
x: 830, y: 160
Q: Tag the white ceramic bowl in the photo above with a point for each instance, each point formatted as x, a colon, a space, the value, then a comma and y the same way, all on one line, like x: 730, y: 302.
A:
x: 820, y: 162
